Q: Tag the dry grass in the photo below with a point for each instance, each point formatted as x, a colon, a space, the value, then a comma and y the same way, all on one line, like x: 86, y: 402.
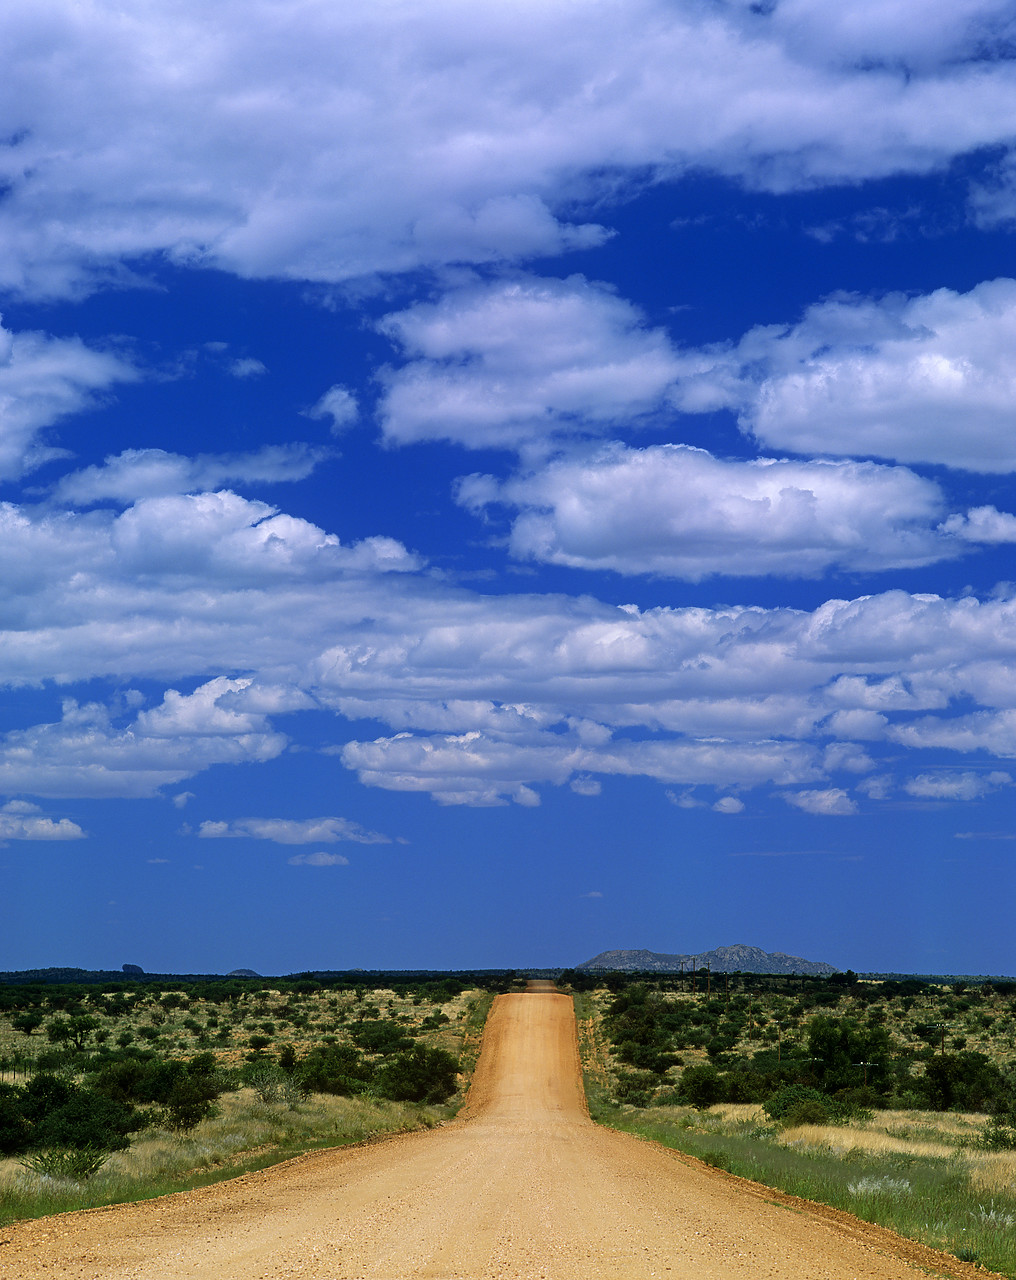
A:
x: 246, y: 1133
x: 931, y: 1185
x: 933, y: 1135
x: 245, y: 1124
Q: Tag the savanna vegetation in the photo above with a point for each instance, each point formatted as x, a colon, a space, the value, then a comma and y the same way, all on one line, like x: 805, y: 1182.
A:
x: 893, y: 1100
x: 120, y: 1091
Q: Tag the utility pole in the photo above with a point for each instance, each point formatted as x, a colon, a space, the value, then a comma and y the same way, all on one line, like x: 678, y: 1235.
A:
x: 942, y: 1026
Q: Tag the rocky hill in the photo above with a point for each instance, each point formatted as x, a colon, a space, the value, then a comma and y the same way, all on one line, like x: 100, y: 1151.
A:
x: 739, y: 958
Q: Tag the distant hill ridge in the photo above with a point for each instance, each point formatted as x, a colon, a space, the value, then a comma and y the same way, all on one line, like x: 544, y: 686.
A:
x: 740, y: 958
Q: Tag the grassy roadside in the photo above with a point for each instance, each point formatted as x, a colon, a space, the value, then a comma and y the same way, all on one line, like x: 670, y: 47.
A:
x: 472, y: 1037
x: 245, y: 1136
x: 918, y: 1173
x: 247, y: 1133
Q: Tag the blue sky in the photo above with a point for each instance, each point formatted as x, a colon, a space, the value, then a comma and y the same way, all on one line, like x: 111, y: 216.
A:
x: 487, y: 484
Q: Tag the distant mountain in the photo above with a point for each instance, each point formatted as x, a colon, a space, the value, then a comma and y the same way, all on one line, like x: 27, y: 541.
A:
x: 242, y: 973
x: 736, y: 959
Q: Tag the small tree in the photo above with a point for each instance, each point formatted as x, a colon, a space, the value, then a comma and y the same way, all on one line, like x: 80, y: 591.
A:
x: 702, y: 1086
x: 421, y: 1075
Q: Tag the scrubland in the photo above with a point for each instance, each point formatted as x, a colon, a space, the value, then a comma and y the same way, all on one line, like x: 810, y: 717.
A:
x: 861, y: 1096
x: 115, y: 1095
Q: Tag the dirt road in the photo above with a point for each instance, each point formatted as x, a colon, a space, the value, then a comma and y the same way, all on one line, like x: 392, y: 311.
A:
x: 523, y: 1186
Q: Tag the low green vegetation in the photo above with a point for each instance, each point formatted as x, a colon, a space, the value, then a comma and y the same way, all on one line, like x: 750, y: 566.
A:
x: 136, y: 1089
x: 895, y: 1101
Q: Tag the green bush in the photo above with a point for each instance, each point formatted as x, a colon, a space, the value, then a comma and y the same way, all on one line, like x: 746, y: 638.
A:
x: 334, y: 1068
x: 382, y: 1037
x: 810, y: 1112
x: 998, y: 1135
x: 702, y: 1087
x: 50, y: 1112
x: 420, y: 1075
x: 76, y: 1163
x: 186, y: 1091
x: 966, y: 1081
x: 793, y: 1101
x: 15, y: 1130
x: 634, y: 1088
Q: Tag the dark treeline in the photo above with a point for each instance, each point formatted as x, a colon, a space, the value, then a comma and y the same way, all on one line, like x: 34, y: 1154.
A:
x: 66, y: 995
x: 336, y: 979
x: 703, y: 980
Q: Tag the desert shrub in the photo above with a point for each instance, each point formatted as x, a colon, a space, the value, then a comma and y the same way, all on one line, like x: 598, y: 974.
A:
x: 860, y: 1102
x: 998, y: 1135
x: 27, y: 1023
x: 746, y: 1086
x: 334, y: 1068
x: 419, y: 1075
x: 273, y: 1085
x: 187, y: 1091
x: 966, y: 1081
x: 86, y: 1120
x: 797, y: 1104
x: 53, y: 1113
x: 380, y: 1036
x: 634, y: 1088
x: 646, y: 1057
x: 76, y: 1163
x: 838, y: 1048
x: 191, y: 1100
x: 15, y: 1130
x: 702, y: 1086
x: 810, y: 1112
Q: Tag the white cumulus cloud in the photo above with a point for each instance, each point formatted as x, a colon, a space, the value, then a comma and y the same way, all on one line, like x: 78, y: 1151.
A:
x: 965, y: 785
x: 42, y: 380
x: 493, y: 694
x: 832, y: 800
x: 18, y: 821
x: 917, y: 379
x: 86, y: 753
x: 504, y: 363
x: 679, y: 512
x: 729, y: 804
x: 329, y: 142
x: 982, y: 524
x: 478, y: 770
x: 339, y: 404
x: 149, y: 473
x: 247, y: 367
x: 319, y: 859
x: 293, y: 830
